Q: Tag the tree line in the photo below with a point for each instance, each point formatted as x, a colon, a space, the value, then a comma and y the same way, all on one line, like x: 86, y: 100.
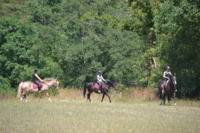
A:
x: 131, y: 41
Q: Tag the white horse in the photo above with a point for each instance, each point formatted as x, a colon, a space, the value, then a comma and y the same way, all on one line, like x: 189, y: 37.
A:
x: 25, y: 87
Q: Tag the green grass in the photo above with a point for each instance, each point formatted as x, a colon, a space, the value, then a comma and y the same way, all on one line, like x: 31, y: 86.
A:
x: 69, y: 113
x: 77, y: 116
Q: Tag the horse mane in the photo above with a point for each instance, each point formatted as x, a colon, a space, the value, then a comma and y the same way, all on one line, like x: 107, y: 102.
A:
x: 49, y: 79
x: 111, y: 81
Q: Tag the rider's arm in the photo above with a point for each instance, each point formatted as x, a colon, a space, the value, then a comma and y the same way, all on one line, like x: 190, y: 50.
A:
x: 164, y: 75
x: 38, y: 77
x: 170, y: 73
x: 103, y: 79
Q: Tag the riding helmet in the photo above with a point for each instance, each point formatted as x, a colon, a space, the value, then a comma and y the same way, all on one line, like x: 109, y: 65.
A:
x: 100, y: 71
x: 35, y: 70
x: 168, y: 68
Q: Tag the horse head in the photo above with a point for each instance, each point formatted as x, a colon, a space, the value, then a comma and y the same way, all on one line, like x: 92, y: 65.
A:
x: 172, y: 83
x: 112, y: 84
x: 173, y: 78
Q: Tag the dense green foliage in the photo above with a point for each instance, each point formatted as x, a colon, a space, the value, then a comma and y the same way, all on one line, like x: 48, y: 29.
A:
x: 178, y: 29
x: 131, y: 41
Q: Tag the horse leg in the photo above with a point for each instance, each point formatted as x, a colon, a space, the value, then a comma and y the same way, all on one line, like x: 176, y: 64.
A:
x: 168, y: 98
x: 174, y: 96
x: 161, y: 99
x: 40, y: 96
x: 102, y: 97
x: 21, y: 98
x: 108, y: 96
x: 23, y: 95
x: 47, y: 94
x: 164, y: 99
x: 25, y: 98
x: 88, y: 97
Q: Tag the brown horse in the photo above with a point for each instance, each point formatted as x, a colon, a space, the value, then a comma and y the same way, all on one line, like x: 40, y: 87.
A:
x: 94, y: 87
x: 168, y: 90
x: 25, y: 87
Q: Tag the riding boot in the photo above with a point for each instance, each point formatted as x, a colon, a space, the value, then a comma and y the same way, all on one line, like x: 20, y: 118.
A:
x: 39, y: 90
x: 99, y: 90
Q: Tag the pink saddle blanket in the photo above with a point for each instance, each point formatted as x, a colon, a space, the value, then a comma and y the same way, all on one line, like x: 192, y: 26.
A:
x: 96, y: 86
x: 35, y: 86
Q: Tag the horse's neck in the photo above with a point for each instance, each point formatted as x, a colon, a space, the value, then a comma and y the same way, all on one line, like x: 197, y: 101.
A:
x: 104, y: 84
x: 109, y: 83
x: 50, y: 83
x: 171, y: 85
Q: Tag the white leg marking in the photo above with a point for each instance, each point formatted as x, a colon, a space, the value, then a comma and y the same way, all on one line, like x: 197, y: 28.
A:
x: 49, y: 99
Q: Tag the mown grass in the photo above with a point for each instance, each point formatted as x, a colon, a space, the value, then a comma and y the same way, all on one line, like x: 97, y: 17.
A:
x: 69, y: 113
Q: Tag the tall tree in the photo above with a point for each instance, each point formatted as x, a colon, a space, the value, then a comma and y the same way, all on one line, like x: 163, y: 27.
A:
x: 177, y: 30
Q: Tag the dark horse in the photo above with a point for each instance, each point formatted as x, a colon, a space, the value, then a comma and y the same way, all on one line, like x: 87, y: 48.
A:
x: 94, y: 87
x: 168, y: 90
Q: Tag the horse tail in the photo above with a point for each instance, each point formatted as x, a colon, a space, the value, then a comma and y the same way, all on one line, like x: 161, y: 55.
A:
x: 84, y: 91
x: 19, y: 91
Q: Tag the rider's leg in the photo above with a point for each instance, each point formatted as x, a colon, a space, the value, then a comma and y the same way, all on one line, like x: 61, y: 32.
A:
x: 100, y: 86
x: 165, y: 83
x: 163, y: 86
x: 39, y: 85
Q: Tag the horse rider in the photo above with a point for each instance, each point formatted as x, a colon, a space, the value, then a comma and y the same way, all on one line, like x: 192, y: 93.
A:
x: 100, y: 80
x: 37, y: 80
x: 166, y: 75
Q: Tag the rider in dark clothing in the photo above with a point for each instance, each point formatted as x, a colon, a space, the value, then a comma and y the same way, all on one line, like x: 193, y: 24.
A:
x: 37, y: 80
x: 167, y: 75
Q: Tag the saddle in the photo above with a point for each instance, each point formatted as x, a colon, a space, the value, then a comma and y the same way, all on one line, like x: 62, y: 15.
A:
x: 96, y: 86
x: 35, y: 86
x: 163, y: 84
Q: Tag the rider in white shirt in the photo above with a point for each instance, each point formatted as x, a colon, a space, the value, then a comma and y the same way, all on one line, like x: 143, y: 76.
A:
x: 100, y: 80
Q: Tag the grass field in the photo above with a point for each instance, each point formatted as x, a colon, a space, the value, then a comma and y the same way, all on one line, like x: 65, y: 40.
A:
x: 69, y: 113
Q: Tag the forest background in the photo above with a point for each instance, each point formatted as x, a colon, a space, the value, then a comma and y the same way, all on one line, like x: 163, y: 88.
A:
x: 131, y: 41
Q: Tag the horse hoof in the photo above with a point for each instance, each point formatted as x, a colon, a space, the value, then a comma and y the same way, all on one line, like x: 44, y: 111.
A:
x: 49, y: 99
